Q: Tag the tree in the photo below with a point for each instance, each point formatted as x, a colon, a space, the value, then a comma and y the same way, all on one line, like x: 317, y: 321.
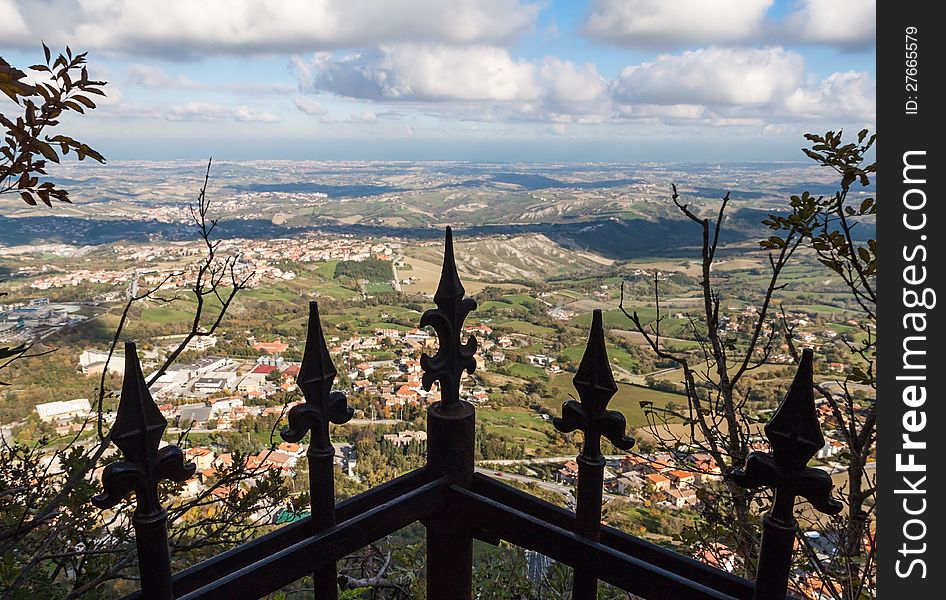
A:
x: 713, y: 375
x: 54, y: 545
x: 717, y: 380
x: 828, y: 226
x: 26, y: 145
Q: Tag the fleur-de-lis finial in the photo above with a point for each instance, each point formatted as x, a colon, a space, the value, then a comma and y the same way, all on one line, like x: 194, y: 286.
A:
x: 137, y: 432
x: 595, y: 384
x: 795, y: 436
x: 316, y: 375
x: 453, y: 356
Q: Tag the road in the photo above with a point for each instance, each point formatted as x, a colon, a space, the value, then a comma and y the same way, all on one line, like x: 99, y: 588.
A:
x: 397, y: 282
x: 552, y: 486
x: 374, y: 422
x: 541, y: 461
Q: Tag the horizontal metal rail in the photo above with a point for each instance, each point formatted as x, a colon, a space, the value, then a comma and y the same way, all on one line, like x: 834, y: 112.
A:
x: 649, y: 552
x: 624, y: 571
x: 225, y: 563
x: 268, y: 574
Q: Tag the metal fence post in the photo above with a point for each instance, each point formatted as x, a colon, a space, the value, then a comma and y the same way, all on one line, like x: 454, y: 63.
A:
x: 137, y: 432
x: 321, y: 406
x: 595, y: 384
x: 795, y: 436
x: 450, y: 432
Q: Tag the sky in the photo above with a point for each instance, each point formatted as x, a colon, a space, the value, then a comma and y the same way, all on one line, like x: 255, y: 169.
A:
x: 478, y: 80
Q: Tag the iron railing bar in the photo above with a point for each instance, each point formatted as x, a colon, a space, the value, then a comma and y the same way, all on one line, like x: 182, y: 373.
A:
x: 227, y: 562
x: 625, y: 543
x: 290, y: 564
x: 622, y: 570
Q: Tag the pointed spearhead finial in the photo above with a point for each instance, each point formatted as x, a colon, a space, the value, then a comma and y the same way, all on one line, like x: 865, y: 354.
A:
x: 595, y: 384
x: 450, y: 285
x: 137, y: 432
x: 795, y: 436
x: 454, y: 356
x: 794, y: 430
x: 316, y: 375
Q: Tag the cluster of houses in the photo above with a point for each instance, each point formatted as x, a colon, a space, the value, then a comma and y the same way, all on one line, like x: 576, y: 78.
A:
x: 259, y: 257
x: 397, y: 382
x: 313, y: 247
x: 283, y: 459
x: 80, y: 276
x: 222, y: 390
x: 546, y: 362
x: 805, y: 333
x: 659, y: 477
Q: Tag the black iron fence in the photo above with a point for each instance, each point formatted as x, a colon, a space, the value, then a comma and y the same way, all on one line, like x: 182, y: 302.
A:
x: 455, y: 504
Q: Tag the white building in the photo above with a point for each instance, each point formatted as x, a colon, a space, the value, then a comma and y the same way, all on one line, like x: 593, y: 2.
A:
x: 64, y: 410
x: 93, y: 361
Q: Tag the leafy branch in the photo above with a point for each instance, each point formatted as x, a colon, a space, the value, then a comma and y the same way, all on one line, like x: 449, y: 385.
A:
x: 26, y: 145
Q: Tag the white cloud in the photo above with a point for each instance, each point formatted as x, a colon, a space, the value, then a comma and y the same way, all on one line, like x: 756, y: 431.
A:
x: 845, y: 95
x: 727, y: 76
x: 207, y: 111
x: 478, y: 82
x: 155, y: 77
x: 556, y: 129
x: 184, y: 28
x: 12, y: 25
x: 308, y: 106
x: 680, y: 23
x: 365, y: 117
x: 665, y: 111
x: 834, y: 22
x: 741, y: 87
x: 246, y: 114
x: 199, y: 111
x: 717, y: 86
x: 566, y: 83
x: 413, y: 72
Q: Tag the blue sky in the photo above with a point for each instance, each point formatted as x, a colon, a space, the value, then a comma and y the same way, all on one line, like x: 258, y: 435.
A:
x: 505, y: 80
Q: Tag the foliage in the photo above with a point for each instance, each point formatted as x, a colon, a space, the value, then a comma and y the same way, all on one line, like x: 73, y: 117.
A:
x: 23, y: 154
x: 54, y: 544
x: 26, y: 145
x: 828, y: 224
x: 719, y: 419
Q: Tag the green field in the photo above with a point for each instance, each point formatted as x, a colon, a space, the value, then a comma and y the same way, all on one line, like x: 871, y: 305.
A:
x: 501, y: 307
x: 166, y: 314
x: 272, y: 294
x: 526, y: 327
x: 626, y: 401
x: 525, y: 371
x: 816, y: 308
x: 521, y: 299
x: 842, y: 328
x: 618, y: 356
x: 378, y: 287
x: 337, y: 292
x: 516, y: 425
x: 616, y: 319
x: 327, y: 269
